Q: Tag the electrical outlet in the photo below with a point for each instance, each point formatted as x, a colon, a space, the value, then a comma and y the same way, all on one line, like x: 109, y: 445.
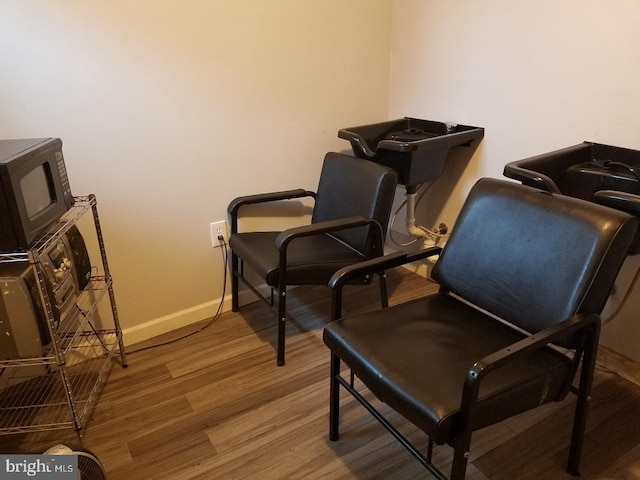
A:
x: 218, y: 229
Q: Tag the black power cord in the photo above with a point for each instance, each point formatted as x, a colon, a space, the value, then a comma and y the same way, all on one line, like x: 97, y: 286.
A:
x: 225, y: 256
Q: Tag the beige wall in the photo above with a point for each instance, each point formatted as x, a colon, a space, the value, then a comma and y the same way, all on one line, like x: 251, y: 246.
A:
x: 169, y: 109
x: 537, y: 75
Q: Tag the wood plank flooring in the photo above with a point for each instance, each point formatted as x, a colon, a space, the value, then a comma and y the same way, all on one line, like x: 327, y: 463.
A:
x: 216, y: 406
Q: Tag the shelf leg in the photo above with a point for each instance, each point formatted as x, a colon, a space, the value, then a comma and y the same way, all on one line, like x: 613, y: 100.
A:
x: 112, y: 297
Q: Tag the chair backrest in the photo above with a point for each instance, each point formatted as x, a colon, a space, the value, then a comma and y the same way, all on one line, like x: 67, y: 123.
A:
x: 351, y: 186
x: 531, y: 257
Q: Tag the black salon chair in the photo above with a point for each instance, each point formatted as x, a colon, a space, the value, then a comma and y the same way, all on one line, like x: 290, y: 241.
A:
x: 523, y: 279
x: 348, y: 225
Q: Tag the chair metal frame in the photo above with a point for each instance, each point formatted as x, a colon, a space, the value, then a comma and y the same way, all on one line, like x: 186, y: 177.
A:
x: 283, y: 241
x: 588, y: 324
x: 570, y: 334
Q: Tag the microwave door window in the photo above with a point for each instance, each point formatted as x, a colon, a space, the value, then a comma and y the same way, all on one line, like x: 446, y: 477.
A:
x: 36, y: 191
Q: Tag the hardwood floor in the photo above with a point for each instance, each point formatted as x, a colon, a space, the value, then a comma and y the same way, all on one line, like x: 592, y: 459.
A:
x: 215, y: 406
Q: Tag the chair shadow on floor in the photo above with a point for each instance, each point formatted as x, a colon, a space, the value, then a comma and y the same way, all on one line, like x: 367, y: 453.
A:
x: 310, y: 305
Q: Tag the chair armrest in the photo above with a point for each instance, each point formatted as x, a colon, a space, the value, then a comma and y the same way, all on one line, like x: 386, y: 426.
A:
x: 368, y: 267
x: 283, y: 239
x: 526, y: 346
x: 532, y: 343
x: 238, y: 202
x: 392, y: 260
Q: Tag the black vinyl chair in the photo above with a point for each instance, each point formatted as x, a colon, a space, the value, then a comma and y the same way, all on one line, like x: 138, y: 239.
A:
x: 348, y: 225
x: 523, y: 279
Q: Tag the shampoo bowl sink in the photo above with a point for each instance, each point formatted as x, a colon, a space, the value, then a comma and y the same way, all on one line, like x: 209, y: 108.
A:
x: 591, y: 171
x: 416, y: 149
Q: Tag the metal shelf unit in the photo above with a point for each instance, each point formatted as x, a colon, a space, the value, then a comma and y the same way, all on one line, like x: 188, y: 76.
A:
x: 57, y: 389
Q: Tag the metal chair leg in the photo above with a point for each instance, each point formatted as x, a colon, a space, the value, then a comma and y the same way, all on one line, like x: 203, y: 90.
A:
x: 430, y: 450
x: 460, y: 459
x: 384, y: 298
x: 282, y: 317
x: 334, y: 398
x: 582, y: 404
x: 235, y: 305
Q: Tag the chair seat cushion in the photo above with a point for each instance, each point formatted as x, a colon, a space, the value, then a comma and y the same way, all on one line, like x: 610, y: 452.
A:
x: 311, y: 260
x: 402, y: 352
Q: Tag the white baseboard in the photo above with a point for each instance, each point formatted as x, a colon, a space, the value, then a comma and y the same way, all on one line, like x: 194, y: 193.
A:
x: 182, y: 318
x: 617, y: 363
